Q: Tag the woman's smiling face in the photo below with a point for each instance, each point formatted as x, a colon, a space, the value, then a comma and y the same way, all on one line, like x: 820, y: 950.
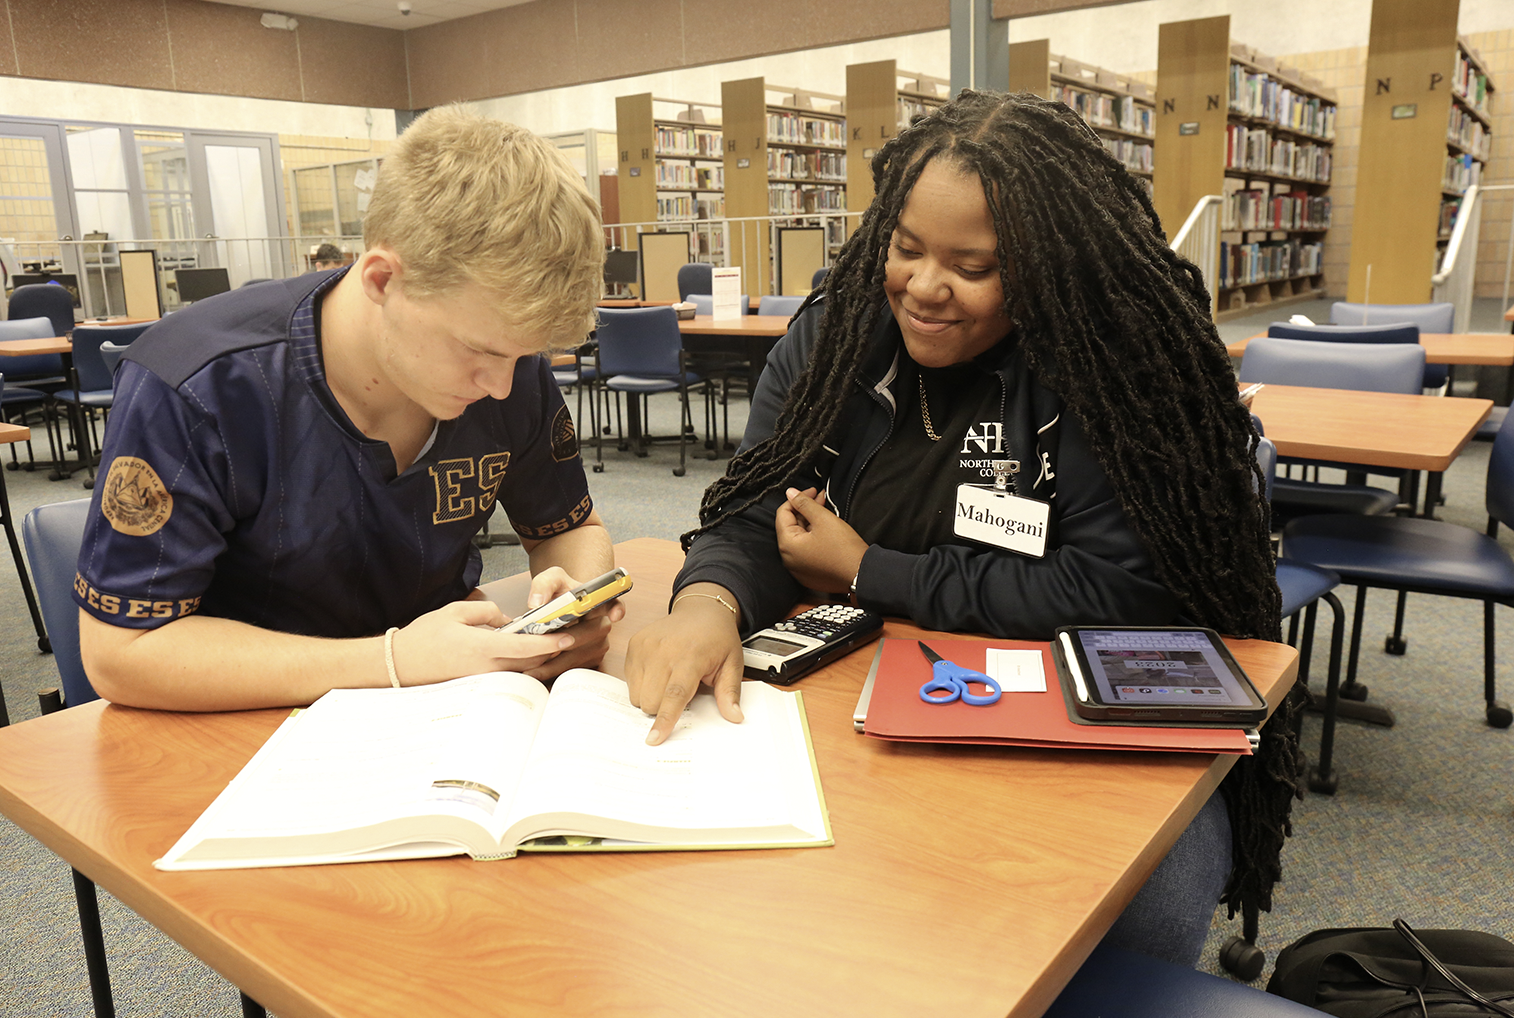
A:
x: 942, y: 275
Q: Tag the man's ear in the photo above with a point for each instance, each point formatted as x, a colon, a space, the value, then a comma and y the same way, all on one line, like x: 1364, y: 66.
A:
x: 381, y: 272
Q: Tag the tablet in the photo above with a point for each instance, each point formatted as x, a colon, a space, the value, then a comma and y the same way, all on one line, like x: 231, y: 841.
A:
x: 1165, y: 674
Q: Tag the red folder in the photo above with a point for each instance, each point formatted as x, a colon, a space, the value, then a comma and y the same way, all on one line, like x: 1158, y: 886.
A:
x: 1018, y: 719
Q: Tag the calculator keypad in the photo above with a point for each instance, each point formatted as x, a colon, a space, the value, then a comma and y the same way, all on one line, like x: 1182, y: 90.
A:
x: 822, y: 622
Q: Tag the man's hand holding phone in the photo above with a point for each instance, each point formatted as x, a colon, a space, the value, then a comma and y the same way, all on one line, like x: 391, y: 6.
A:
x: 558, y: 601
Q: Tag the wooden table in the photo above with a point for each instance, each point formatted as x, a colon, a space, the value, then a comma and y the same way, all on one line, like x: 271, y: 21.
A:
x: 1379, y: 429
x: 31, y: 347
x: 964, y: 881
x: 751, y: 336
x: 63, y: 346
x: 1493, y: 348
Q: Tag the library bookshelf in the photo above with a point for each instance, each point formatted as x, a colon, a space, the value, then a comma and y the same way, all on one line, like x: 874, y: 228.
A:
x: 671, y: 164
x: 785, y: 159
x: 1120, y: 109
x: 881, y: 100
x: 1236, y: 123
x: 1469, y: 136
x: 1426, y: 136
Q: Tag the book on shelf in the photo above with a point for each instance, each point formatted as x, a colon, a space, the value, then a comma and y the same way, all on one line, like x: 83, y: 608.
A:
x: 1268, y: 261
x: 493, y: 764
x: 1470, y: 83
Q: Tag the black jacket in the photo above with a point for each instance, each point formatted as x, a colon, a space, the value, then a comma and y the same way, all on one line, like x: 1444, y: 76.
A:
x: 1095, y: 571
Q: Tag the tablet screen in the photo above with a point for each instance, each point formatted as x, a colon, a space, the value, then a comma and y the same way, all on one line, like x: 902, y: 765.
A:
x: 1159, y: 668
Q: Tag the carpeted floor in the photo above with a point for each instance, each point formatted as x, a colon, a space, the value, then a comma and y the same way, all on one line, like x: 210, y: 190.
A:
x: 1421, y: 827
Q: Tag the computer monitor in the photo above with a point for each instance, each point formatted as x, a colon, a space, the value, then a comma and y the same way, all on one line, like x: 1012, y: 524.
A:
x: 197, y: 284
x: 621, y: 268
x: 67, y: 280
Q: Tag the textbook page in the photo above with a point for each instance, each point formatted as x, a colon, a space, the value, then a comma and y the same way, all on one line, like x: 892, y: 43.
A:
x: 711, y: 783
x: 351, y: 776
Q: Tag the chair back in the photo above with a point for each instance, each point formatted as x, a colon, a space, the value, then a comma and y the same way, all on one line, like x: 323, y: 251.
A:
x: 819, y: 277
x: 94, y: 374
x: 44, y: 300
x: 1439, y: 317
x: 53, y: 534
x: 695, y: 277
x: 1387, y: 332
x: 644, y: 342
x: 42, y: 365
x: 1266, y: 458
x: 111, y: 354
x: 1366, y: 367
x: 704, y: 303
x: 771, y: 304
x: 1500, y: 486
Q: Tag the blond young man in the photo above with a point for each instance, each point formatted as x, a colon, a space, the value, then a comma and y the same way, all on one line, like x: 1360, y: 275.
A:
x: 294, y: 472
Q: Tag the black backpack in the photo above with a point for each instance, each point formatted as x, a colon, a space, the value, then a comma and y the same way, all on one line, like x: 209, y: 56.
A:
x: 1398, y: 973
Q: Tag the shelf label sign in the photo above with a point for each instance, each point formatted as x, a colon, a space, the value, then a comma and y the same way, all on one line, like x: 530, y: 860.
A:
x: 1405, y: 111
x: 1191, y: 127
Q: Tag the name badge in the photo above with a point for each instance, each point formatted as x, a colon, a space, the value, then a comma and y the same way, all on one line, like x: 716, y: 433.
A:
x: 1001, y: 519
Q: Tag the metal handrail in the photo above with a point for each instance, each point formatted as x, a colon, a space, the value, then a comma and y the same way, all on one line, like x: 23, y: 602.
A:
x: 1193, y: 218
x: 1469, y: 202
x: 1457, y: 278
x: 1199, y: 241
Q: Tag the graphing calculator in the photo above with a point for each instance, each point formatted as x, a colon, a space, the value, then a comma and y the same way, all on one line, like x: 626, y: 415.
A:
x: 791, y: 649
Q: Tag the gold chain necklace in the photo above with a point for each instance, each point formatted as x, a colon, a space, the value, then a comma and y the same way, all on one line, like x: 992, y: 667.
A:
x: 930, y: 432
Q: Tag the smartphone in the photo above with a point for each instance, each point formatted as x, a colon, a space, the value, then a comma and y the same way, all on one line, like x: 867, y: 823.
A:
x: 791, y: 649
x: 568, y: 607
x: 1132, y: 674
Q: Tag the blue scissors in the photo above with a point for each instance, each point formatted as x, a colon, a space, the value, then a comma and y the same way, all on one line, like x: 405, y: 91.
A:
x: 953, y: 680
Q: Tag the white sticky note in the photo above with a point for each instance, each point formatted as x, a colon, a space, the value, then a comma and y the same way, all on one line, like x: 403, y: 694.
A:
x: 1016, y: 671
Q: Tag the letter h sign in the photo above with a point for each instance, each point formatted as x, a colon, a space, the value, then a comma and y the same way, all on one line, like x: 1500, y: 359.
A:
x: 988, y: 436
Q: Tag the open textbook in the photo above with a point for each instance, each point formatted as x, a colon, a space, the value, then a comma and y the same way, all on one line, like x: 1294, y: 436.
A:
x: 491, y: 764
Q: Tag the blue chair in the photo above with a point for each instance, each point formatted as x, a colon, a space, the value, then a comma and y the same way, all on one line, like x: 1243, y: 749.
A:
x: 16, y: 402
x: 1439, y: 317
x: 581, y: 377
x: 1122, y: 984
x: 771, y: 304
x: 53, y: 534
x: 111, y: 354
x: 93, y: 383
x: 695, y: 277
x: 819, y: 277
x: 31, y: 377
x: 1302, y: 587
x: 1388, y: 332
x: 1424, y: 556
x: 43, y: 300
x: 1375, y: 368
x: 640, y: 351
x: 704, y: 303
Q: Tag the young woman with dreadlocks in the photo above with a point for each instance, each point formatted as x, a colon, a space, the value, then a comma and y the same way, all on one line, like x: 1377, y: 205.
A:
x: 1009, y: 295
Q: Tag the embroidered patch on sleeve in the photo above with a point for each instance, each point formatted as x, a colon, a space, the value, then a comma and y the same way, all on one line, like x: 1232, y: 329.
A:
x: 564, y: 438
x: 134, y: 498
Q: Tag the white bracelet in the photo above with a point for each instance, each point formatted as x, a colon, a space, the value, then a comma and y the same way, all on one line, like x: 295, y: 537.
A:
x: 394, y: 679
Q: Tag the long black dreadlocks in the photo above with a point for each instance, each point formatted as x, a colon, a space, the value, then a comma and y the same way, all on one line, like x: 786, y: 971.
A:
x: 1115, y: 323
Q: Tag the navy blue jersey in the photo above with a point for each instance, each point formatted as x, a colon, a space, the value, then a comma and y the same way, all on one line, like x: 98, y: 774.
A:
x: 232, y: 483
